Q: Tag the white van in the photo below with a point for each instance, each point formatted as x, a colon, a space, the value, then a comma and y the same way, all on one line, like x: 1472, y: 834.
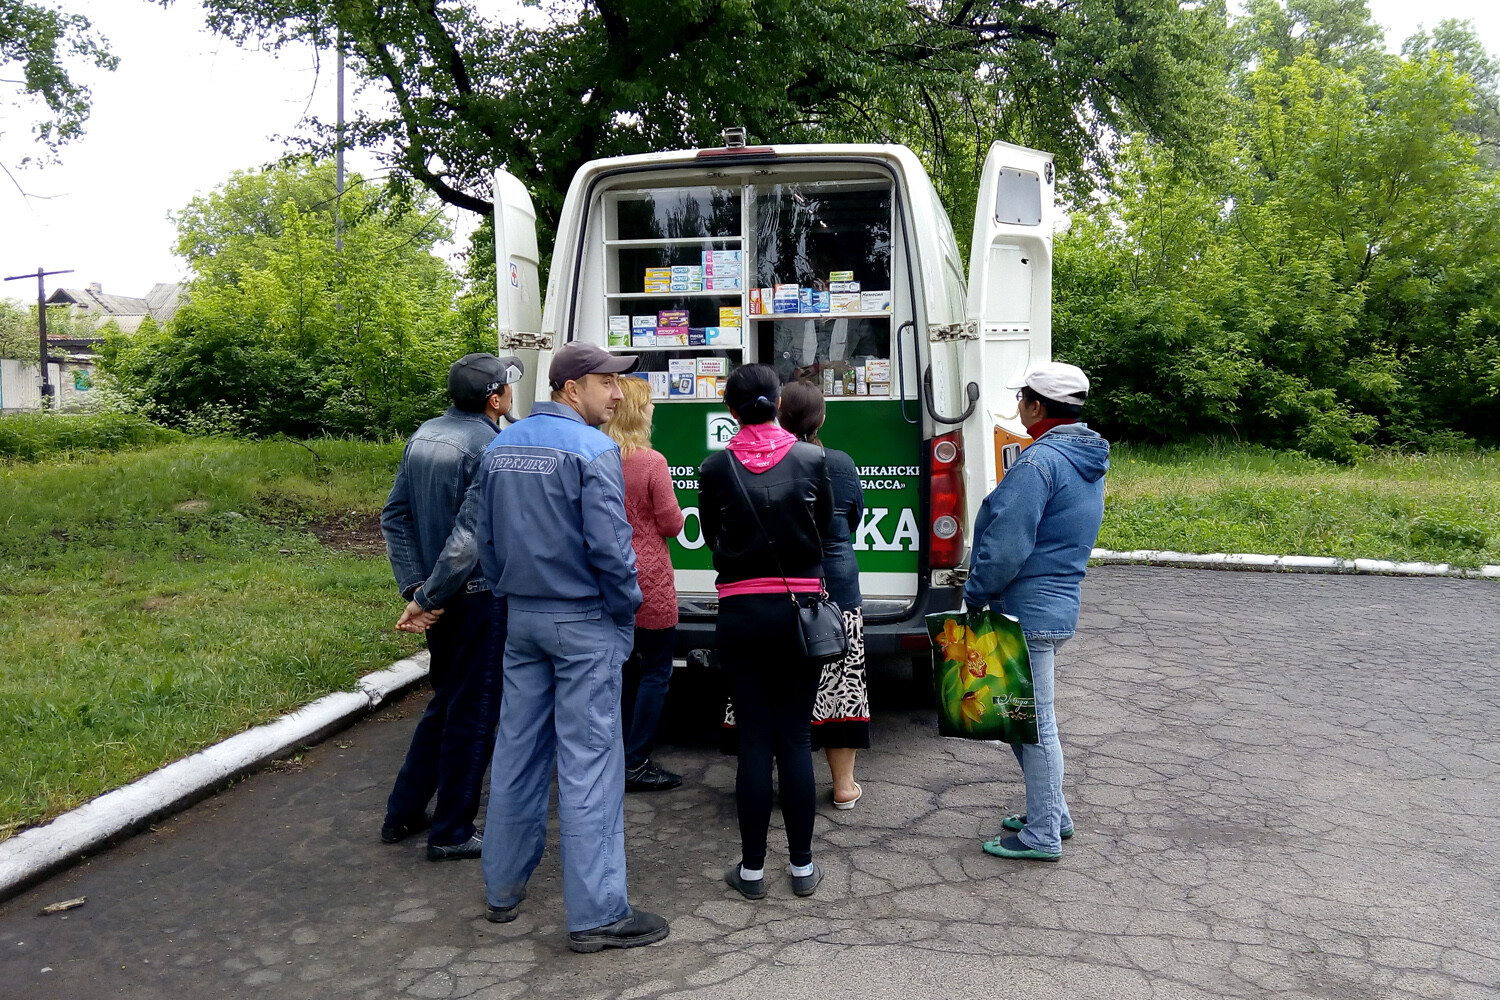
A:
x: 836, y: 264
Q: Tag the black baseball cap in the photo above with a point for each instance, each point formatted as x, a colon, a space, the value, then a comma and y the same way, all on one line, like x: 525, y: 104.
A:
x: 576, y: 359
x: 475, y: 377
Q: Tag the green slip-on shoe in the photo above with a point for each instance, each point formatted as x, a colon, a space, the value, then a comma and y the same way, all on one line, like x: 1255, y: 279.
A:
x: 1012, y: 847
x: 1017, y: 822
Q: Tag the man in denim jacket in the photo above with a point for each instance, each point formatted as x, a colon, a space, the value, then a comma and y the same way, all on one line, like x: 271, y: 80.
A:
x: 1032, y: 541
x: 554, y: 540
x: 429, y: 535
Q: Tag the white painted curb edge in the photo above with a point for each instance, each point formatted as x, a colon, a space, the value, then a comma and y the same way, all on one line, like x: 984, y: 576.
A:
x: 35, y: 853
x: 1290, y: 564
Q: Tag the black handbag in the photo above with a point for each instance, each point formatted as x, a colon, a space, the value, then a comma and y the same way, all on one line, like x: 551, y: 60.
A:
x: 820, y: 621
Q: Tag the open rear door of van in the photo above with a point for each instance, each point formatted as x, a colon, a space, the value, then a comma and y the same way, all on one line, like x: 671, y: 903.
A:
x: 518, y: 304
x: 1010, y: 296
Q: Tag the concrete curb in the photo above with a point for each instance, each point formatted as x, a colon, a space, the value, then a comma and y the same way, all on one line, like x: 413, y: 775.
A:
x: 1286, y: 564
x: 34, y: 854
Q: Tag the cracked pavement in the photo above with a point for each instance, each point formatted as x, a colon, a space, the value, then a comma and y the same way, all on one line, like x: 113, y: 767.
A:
x: 1284, y: 787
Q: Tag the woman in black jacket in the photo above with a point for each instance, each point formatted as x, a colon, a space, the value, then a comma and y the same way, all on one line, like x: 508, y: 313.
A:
x: 841, y: 712
x: 764, y: 554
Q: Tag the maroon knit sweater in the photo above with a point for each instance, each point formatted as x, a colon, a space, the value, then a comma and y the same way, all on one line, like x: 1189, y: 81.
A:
x: 652, y: 509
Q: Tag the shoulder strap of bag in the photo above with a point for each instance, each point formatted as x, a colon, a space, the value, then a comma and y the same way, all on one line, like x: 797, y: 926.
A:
x: 734, y: 470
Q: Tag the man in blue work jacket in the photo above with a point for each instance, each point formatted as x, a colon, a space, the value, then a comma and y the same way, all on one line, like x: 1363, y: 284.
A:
x: 429, y: 537
x: 553, y: 539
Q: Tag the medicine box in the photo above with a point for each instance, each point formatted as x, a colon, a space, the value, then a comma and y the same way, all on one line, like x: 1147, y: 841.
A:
x: 721, y: 283
x: 843, y: 302
x: 713, y: 366
x: 822, y: 302
x: 619, y: 331
x: 878, y: 369
x: 639, y: 324
x: 875, y: 302
x: 804, y: 300
x: 643, y: 338
x: 672, y: 317
x: 705, y: 388
x: 658, y: 273
x: 843, y: 286
x: 722, y: 336
x: 787, y: 299
x: 697, y: 336
x: 757, y: 304
x: 671, y: 336
x: 731, y: 316
x: 683, y: 377
x: 661, y: 383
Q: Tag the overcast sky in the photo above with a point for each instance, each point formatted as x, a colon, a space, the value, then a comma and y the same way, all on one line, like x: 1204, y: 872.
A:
x: 185, y: 109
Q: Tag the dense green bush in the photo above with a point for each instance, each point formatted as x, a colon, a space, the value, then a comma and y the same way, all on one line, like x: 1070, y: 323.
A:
x: 32, y: 436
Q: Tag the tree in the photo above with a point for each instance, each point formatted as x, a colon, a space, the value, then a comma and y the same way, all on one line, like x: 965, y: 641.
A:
x: 1326, y: 276
x: 36, y: 40
x: 283, y: 334
x: 606, y: 77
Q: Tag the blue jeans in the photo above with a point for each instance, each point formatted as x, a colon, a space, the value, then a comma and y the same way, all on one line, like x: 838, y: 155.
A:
x: 1042, y: 762
x: 562, y: 703
x: 450, y: 750
x: 648, y: 673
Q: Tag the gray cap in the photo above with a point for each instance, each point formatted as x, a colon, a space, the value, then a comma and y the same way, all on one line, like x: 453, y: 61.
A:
x: 475, y: 377
x: 576, y: 359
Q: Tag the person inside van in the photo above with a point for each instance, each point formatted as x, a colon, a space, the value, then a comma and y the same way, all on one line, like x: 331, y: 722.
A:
x: 654, y: 515
x: 1032, y: 540
x: 841, y: 712
x: 765, y: 504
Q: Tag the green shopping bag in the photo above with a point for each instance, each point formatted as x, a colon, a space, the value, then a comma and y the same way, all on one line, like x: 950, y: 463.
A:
x: 982, y: 675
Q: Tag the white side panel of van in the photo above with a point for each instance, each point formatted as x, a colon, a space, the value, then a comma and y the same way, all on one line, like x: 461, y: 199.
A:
x: 1010, y: 284
x: 518, y: 304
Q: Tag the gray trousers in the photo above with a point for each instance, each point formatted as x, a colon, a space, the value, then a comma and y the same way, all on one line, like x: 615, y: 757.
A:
x: 562, y: 703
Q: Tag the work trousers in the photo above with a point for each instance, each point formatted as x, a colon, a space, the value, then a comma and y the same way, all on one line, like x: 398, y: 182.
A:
x: 450, y: 749
x: 562, y: 704
x: 648, y: 673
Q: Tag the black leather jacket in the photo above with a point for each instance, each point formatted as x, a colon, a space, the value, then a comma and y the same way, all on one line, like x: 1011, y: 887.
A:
x: 795, y: 501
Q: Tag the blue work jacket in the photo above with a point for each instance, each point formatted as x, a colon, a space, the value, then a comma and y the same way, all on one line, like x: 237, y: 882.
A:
x: 551, y: 527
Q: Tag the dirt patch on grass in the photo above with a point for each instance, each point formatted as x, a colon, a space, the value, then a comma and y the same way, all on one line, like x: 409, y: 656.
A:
x: 356, y: 533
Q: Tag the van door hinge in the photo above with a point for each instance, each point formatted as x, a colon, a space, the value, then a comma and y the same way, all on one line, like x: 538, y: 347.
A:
x: 950, y: 577
x: 517, y: 341
x: 953, y: 331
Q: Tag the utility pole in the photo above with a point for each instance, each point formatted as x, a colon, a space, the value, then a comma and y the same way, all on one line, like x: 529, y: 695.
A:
x: 338, y: 157
x: 48, y: 390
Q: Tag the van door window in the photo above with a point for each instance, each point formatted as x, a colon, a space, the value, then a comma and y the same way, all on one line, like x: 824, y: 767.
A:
x: 821, y: 301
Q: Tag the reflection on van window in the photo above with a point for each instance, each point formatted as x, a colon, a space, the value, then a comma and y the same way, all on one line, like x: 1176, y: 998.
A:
x: 679, y: 213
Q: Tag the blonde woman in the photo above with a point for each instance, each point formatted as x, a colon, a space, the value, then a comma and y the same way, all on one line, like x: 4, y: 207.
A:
x: 651, y: 506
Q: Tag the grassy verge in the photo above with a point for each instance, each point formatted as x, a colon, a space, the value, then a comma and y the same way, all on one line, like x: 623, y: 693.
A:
x: 153, y: 602
x: 1428, y: 508
x: 30, y: 436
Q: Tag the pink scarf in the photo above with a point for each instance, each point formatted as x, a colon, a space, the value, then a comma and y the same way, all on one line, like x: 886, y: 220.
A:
x: 760, y: 446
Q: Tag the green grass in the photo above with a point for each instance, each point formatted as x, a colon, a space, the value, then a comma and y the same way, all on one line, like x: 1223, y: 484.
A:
x: 153, y: 602
x: 1442, y: 507
x: 54, y: 436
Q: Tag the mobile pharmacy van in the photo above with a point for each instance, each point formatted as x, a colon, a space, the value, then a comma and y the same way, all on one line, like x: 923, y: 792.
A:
x: 837, y: 265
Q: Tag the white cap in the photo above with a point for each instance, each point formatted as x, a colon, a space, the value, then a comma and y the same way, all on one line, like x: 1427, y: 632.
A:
x: 1059, y: 382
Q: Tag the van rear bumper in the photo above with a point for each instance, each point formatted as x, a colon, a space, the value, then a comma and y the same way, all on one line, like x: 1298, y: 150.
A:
x: 902, y: 633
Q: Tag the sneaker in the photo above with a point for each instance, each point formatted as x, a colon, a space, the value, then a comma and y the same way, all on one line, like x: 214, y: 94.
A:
x: 395, y: 832
x: 806, y: 885
x: 1017, y: 822
x: 1012, y: 847
x: 454, y: 852
x: 647, y: 777
x: 749, y: 888
x: 634, y: 929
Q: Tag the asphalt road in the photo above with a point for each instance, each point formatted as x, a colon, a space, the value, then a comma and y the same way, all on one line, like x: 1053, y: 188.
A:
x: 1284, y: 786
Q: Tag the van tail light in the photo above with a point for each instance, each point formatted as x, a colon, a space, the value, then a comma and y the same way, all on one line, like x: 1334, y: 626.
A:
x: 947, y: 526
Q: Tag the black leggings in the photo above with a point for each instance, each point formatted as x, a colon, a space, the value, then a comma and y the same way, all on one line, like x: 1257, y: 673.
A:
x: 773, y: 688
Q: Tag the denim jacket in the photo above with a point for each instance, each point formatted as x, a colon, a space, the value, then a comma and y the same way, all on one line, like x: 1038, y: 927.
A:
x: 551, y: 523
x: 428, y: 520
x: 1036, y: 530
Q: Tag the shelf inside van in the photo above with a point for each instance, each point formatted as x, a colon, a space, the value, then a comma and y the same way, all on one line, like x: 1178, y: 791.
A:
x: 820, y: 316
x: 735, y: 294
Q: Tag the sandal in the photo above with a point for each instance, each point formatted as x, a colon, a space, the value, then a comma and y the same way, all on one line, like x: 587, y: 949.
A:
x: 849, y: 804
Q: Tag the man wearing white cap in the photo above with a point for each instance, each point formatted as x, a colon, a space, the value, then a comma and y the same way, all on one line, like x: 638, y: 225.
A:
x: 1032, y: 541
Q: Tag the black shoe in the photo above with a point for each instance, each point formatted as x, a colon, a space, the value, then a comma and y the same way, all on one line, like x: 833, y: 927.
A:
x: 806, y: 885
x: 453, y: 852
x: 392, y: 833
x: 503, y: 914
x: 648, y: 777
x: 749, y: 888
x: 636, y: 928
